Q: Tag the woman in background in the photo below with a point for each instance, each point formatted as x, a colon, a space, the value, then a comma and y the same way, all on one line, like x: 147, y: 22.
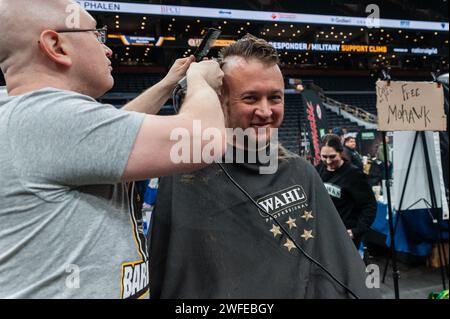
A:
x: 348, y: 188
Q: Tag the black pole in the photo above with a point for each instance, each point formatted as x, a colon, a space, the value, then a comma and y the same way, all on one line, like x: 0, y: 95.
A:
x: 395, y: 273
x: 401, y: 198
x: 433, y: 205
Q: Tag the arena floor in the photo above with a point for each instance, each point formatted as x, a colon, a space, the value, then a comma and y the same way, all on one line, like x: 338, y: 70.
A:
x: 416, y: 279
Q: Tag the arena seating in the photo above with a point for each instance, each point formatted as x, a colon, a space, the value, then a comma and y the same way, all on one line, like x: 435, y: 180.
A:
x: 344, y: 83
x: 289, y: 133
x: 295, y: 121
x: 353, y: 83
x: 365, y: 101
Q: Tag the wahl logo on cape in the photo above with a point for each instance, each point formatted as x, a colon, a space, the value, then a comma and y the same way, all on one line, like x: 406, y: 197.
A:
x: 283, y: 202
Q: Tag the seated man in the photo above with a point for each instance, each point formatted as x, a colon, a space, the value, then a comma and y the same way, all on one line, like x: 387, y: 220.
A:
x: 67, y: 225
x: 209, y: 241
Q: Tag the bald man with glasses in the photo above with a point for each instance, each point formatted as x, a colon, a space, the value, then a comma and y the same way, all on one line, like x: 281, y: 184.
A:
x: 69, y: 227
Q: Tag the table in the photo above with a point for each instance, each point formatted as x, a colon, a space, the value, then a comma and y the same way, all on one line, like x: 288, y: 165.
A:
x: 415, y: 232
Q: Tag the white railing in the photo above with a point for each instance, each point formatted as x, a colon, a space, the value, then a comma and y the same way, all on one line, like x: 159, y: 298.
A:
x: 353, y: 110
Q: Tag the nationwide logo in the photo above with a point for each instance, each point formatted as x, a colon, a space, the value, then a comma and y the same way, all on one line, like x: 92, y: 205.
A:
x: 283, y: 202
x: 429, y: 51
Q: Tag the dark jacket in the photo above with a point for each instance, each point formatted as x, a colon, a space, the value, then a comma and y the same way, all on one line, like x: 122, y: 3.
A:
x: 376, y: 172
x: 354, y: 157
x: 352, y: 196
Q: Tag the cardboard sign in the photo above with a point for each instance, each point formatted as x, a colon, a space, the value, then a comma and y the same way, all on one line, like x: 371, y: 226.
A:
x: 410, y: 106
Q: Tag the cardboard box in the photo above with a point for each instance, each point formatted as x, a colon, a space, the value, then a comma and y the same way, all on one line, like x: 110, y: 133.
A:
x: 433, y: 257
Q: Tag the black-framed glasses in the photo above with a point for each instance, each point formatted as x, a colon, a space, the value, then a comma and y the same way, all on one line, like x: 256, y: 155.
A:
x: 100, y: 33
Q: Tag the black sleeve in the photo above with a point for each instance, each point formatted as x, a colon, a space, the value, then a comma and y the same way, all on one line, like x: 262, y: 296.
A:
x: 365, y: 203
x: 356, y: 159
x: 160, y: 228
x: 347, y: 155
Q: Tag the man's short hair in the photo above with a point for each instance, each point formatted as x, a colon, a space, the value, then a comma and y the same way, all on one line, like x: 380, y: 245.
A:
x: 250, y: 47
x: 349, y: 138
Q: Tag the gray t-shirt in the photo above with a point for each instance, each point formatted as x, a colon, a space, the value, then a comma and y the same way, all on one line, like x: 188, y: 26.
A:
x: 67, y: 226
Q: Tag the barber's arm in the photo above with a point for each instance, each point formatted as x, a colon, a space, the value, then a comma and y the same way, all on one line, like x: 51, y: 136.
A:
x: 151, y: 153
x: 153, y: 99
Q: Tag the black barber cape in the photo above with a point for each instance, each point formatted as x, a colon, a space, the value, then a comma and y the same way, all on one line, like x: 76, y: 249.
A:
x: 209, y: 241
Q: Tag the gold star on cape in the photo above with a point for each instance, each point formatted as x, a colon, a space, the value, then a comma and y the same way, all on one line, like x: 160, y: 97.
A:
x: 289, y: 244
x: 275, y: 230
x: 307, y: 215
x: 307, y: 234
x: 291, y: 222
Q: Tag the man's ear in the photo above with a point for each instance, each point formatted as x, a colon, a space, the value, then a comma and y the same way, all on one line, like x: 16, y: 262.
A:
x: 223, y: 94
x: 223, y: 98
x: 54, y: 48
